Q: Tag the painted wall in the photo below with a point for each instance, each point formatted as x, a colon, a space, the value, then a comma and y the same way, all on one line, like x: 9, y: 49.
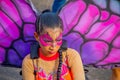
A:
x: 92, y: 27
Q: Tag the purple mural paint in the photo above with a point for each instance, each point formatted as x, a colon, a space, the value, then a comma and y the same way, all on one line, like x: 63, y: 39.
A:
x: 92, y: 29
x: 17, y: 25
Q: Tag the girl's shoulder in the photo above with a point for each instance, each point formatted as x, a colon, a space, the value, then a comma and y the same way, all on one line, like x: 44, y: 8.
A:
x: 27, y: 59
x: 70, y: 53
x: 27, y: 56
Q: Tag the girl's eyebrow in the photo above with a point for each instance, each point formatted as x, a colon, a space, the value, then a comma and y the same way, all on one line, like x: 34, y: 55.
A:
x: 48, y: 34
x: 59, y: 37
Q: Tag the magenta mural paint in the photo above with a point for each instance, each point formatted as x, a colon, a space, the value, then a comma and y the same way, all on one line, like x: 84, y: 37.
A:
x: 93, y: 30
x: 91, y: 27
x: 16, y: 31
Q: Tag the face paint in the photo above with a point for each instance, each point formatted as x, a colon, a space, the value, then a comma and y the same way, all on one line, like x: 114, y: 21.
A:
x: 46, y: 40
x: 59, y: 39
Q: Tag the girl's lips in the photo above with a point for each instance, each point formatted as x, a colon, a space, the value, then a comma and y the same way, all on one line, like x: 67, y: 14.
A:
x: 51, y: 52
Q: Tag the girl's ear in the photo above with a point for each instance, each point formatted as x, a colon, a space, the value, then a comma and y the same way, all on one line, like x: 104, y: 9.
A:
x: 36, y: 36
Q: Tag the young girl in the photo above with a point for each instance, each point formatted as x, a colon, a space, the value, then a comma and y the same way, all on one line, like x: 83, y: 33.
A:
x: 53, y: 62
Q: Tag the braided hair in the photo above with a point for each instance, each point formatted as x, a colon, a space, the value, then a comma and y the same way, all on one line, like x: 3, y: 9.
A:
x: 60, y: 64
x: 50, y: 20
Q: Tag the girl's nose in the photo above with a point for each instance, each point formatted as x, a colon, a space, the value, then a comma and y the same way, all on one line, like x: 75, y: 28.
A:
x: 54, y: 44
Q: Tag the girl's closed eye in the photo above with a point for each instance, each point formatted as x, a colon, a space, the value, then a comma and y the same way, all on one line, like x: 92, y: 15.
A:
x: 58, y: 40
x: 47, y: 40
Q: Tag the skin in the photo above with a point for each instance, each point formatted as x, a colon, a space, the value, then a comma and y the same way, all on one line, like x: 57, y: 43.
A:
x: 54, y: 38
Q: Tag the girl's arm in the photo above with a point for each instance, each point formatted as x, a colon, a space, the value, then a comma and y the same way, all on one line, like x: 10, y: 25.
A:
x: 27, y: 69
x: 76, y: 66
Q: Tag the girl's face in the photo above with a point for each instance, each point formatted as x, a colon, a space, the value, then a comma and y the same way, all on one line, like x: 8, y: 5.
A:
x: 50, y: 41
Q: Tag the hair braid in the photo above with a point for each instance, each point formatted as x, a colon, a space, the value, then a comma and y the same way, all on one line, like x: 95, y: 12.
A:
x: 60, y: 64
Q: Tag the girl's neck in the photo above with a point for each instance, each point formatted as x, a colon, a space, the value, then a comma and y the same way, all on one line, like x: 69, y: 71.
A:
x: 48, y: 58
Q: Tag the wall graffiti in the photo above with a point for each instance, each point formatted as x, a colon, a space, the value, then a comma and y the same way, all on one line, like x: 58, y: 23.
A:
x: 17, y: 25
x: 92, y: 27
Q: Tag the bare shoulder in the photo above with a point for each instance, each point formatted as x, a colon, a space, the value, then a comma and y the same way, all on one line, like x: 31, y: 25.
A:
x: 71, y: 52
x: 72, y: 56
x: 27, y: 58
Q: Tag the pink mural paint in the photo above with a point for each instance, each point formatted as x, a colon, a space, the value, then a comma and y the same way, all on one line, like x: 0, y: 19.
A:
x: 17, y: 24
x: 10, y: 9
x: 9, y: 34
x: 93, y: 29
x: 89, y: 17
x: 28, y: 15
x: 98, y: 30
x: 104, y: 15
x: 75, y: 9
x: 116, y: 42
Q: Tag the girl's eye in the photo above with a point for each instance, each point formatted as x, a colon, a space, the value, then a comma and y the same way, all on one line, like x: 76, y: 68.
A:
x: 47, y: 40
x: 58, y: 40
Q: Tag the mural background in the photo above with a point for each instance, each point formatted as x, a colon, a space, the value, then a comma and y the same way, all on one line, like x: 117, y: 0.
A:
x: 93, y: 76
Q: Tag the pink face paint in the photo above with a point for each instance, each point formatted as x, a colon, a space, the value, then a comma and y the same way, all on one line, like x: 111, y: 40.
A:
x: 59, y: 39
x: 46, y: 40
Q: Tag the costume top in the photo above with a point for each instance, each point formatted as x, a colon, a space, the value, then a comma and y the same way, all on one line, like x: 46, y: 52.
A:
x: 46, y: 67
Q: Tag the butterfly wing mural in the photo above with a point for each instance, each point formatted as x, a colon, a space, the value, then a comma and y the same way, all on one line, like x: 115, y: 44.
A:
x: 93, y: 29
x: 17, y: 25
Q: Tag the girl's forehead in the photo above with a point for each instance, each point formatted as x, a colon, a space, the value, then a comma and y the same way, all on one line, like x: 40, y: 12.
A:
x: 52, y: 30
x: 53, y: 33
